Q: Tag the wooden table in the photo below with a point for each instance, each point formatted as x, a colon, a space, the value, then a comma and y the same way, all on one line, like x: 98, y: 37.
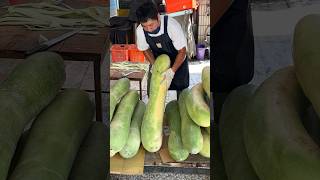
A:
x: 16, y: 40
x: 135, y: 76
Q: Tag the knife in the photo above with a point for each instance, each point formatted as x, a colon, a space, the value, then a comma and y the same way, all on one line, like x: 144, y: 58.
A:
x: 51, y: 42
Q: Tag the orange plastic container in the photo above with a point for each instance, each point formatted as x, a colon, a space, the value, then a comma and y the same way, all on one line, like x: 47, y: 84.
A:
x: 174, y: 5
x: 119, y: 52
x: 135, y: 55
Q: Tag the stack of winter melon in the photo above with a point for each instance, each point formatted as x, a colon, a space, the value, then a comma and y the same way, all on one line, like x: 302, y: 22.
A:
x: 189, y: 118
x: 133, y: 122
x: 262, y: 128
x: 55, y: 145
x: 126, y: 112
x: 189, y: 121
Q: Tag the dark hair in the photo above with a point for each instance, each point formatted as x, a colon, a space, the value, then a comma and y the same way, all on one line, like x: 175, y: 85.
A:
x: 147, y: 11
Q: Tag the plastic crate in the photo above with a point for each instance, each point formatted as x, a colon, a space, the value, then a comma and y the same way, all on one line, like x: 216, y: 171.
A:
x: 135, y: 55
x: 175, y: 6
x: 119, y: 52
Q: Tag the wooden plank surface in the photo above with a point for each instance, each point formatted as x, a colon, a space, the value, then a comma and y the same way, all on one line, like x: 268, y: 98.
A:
x: 132, y: 166
x: 162, y: 158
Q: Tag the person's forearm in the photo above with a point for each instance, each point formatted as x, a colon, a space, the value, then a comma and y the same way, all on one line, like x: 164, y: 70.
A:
x: 149, y: 56
x: 219, y: 7
x: 179, y: 59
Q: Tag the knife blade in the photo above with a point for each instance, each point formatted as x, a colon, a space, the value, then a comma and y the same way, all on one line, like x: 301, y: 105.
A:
x: 51, y: 42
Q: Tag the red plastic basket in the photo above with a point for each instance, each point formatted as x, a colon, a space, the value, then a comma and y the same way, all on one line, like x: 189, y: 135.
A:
x: 119, y: 52
x: 135, y: 55
x: 174, y: 5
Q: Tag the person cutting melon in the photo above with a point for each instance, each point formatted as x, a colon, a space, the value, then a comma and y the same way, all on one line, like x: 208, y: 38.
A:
x: 158, y: 34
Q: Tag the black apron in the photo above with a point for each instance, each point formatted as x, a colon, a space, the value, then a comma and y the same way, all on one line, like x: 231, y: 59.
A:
x: 180, y: 80
x: 233, y: 48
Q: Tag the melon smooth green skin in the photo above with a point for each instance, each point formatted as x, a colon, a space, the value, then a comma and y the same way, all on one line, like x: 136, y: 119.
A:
x: 55, y: 138
x: 117, y: 91
x: 175, y: 146
x: 197, y: 107
x: 306, y: 55
x: 205, y: 77
x: 134, y: 140
x: 278, y: 146
x: 91, y: 161
x: 120, y: 125
x: 190, y: 132
x: 19, y: 148
x: 29, y: 88
x: 236, y: 162
x: 152, y: 123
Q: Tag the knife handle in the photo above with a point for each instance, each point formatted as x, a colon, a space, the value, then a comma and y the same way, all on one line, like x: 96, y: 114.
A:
x: 36, y: 49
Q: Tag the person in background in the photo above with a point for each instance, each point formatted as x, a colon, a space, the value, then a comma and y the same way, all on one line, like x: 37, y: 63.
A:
x: 233, y: 47
x: 233, y: 60
x: 158, y: 34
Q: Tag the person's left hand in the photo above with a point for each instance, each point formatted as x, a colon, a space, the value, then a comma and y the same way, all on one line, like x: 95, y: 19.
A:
x: 168, y: 76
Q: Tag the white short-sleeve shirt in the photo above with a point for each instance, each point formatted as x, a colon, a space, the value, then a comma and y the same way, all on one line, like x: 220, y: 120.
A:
x: 174, y: 31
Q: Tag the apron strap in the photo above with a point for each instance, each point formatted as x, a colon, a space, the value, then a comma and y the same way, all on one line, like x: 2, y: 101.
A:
x: 165, y: 27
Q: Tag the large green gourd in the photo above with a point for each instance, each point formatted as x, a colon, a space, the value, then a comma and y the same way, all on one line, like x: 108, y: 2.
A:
x: 306, y: 56
x: 205, y: 77
x: 29, y: 88
x: 91, y: 161
x: 133, y: 143
x: 152, y: 123
x: 120, y: 125
x: 236, y: 162
x: 190, y: 132
x: 175, y: 146
x: 278, y: 146
x: 117, y: 91
x: 197, y: 106
x: 55, y: 138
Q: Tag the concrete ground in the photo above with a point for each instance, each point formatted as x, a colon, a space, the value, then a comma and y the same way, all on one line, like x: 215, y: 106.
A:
x: 162, y: 176
x: 273, y: 29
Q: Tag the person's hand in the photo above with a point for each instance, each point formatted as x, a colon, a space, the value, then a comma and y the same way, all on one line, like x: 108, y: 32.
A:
x: 168, y: 76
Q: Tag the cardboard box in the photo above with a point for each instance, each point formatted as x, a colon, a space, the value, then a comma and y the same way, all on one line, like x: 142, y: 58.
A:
x: 132, y: 166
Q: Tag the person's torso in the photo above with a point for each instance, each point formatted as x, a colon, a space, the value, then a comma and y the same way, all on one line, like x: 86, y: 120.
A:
x: 161, y: 43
